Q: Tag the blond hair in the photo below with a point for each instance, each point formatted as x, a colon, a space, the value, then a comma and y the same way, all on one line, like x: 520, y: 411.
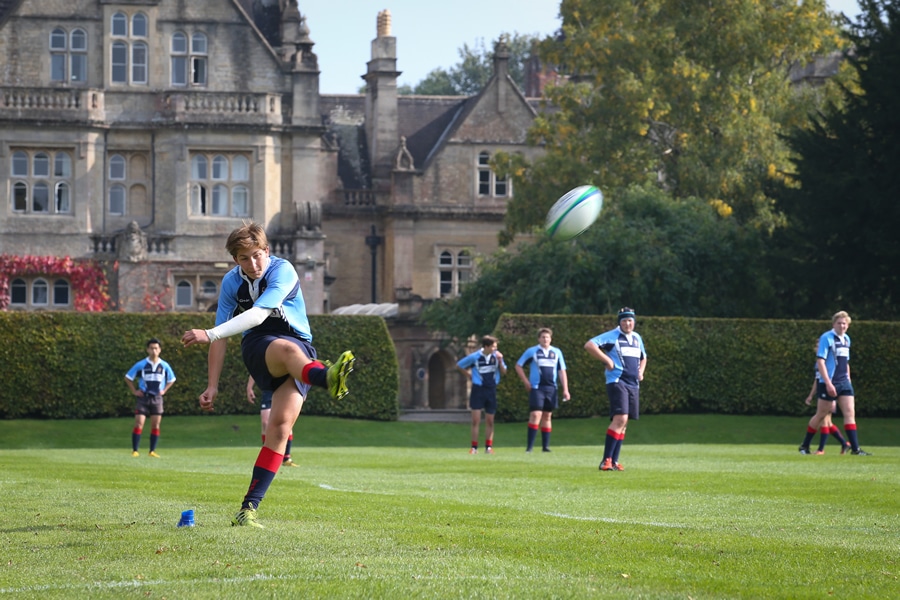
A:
x: 841, y: 314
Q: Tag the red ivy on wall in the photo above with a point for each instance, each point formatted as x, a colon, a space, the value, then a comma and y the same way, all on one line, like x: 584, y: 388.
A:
x: 89, y: 284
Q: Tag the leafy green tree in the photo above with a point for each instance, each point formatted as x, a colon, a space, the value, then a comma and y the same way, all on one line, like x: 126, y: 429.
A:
x: 645, y: 251
x: 475, y: 68
x: 690, y: 95
x: 841, y: 249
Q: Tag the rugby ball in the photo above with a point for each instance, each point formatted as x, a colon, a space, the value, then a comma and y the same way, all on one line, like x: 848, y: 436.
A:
x: 574, y: 212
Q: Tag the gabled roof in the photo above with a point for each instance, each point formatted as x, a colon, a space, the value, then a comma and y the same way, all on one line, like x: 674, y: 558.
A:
x: 423, y: 120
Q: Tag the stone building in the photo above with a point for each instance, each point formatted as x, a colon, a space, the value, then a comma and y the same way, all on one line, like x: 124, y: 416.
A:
x: 135, y: 134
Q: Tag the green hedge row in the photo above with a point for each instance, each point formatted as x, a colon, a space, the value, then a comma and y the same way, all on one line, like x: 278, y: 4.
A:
x: 732, y: 366
x: 61, y: 365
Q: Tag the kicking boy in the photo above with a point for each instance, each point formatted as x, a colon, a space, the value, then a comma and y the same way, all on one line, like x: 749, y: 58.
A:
x: 261, y: 299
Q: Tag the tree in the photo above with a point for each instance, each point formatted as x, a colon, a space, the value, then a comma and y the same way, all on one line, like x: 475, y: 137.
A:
x: 689, y: 95
x: 469, y: 76
x: 661, y: 257
x: 841, y: 247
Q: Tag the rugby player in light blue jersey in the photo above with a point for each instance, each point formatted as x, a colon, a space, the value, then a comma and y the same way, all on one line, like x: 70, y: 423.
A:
x: 622, y: 352
x: 548, y: 367
x: 261, y: 299
x: 833, y: 375
x: 155, y: 377
x: 484, y: 368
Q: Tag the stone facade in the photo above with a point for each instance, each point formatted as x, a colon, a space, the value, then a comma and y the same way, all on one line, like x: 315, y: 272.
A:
x: 138, y: 133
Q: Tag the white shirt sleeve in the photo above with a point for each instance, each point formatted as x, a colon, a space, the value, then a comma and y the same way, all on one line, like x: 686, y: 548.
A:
x: 239, y: 324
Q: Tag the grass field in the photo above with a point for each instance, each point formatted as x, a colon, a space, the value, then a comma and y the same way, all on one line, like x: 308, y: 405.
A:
x: 709, y: 507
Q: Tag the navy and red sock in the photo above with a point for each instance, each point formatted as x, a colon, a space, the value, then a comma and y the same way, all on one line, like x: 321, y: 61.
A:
x: 264, y: 470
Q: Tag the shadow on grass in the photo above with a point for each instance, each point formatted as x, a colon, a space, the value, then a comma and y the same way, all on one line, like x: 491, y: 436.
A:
x: 244, y: 431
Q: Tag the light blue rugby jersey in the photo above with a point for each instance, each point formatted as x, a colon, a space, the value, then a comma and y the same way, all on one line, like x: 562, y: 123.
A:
x: 485, y: 369
x: 545, y: 364
x: 626, y: 357
x: 278, y: 288
x: 153, y: 378
x: 836, y: 353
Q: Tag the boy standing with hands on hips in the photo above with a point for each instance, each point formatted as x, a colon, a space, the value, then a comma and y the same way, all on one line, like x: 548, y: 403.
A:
x: 621, y: 350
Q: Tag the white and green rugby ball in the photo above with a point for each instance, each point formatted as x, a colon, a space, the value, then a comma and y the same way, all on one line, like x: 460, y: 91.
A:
x: 572, y: 214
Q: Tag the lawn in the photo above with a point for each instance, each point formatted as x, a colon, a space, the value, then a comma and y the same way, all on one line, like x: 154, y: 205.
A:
x: 708, y: 507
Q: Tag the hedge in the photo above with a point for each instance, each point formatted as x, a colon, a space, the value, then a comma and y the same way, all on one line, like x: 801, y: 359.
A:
x: 730, y: 366
x: 62, y: 365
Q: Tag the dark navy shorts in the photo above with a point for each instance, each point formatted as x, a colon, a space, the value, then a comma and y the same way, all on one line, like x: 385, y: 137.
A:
x: 624, y: 400
x: 544, y: 399
x: 253, y: 349
x: 265, y: 401
x: 483, y: 398
x: 149, y: 405
x: 844, y: 388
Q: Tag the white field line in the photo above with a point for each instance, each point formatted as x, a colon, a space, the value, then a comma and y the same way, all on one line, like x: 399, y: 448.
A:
x: 622, y: 521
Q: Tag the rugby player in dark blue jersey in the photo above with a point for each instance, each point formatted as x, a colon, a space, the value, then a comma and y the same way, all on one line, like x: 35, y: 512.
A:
x: 261, y: 299
x: 833, y: 373
x: 621, y: 350
x: 484, y: 368
x: 548, y: 368
x: 155, y: 377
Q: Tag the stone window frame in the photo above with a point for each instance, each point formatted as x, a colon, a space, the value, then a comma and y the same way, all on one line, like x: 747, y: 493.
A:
x: 189, y: 59
x: 55, y: 180
x: 455, y: 268
x: 487, y: 184
x: 217, y: 194
x: 54, y: 289
x: 68, y: 56
x: 129, y: 52
x: 193, y: 287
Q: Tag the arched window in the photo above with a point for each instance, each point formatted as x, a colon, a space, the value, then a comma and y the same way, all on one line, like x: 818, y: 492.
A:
x: 20, y: 196
x: 198, y: 59
x: 18, y: 292
x: 210, y: 288
x: 40, y: 198
x: 19, y: 164
x: 119, y: 25
x: 219, y: 168
x: 62, y: 165
x: 41, y: 165
x: 179, y: 59
x: 62, y: 197
x: 117, y: 167
x: 61, y: 292
x: 240, y: 202
x: 139, y: 62
x: 39, y: 293
x: 119, y: 62
x: 139, y: 25
x: 184, y: 295
x: 240, y: 168
x: 78, y: 56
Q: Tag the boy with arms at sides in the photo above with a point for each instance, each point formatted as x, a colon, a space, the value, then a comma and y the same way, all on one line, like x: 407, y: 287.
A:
x: 547, y: 368
x: 486, y: 367
x: 156, y: 377
x: 834, y: 385
x: 621, y: 350
x: 261, y: 299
